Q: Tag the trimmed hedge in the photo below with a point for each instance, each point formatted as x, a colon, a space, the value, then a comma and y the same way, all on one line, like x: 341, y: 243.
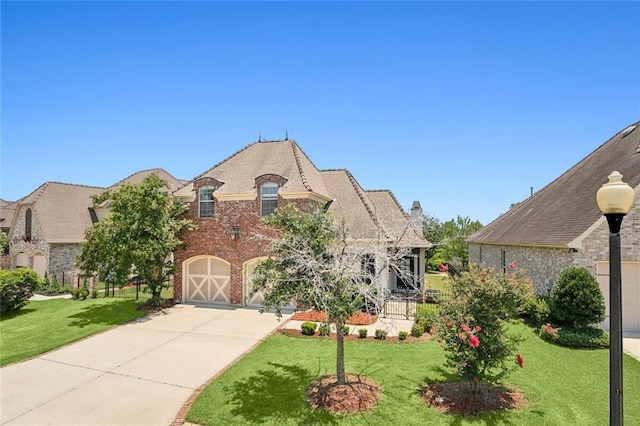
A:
x: 583, y: 337
x: 16, y: 287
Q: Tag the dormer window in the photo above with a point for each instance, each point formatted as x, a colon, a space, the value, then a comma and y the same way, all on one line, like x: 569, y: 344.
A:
x: 268, y: 198
x: 206, y: 201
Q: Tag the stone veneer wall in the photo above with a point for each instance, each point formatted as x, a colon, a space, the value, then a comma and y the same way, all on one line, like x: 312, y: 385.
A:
x: 38, y: 245
x: 595, y: 247
x: 543, y: 265
x: 61, y: 259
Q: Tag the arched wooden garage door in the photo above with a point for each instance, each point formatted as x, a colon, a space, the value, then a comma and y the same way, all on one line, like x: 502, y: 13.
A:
x: 247, y: 272
x: 630, y: 294
x: 207, y: 279
x: 257, y: 299
x: 39, y: 262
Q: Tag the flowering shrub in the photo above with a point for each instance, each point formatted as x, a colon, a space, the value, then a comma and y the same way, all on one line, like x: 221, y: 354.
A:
x: 548, y: 332
x: 472, y: 325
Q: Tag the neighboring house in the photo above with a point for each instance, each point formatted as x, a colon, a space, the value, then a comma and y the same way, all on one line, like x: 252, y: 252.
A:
x: 228, y: 202
x: 49, y: 225
x: 48, y: 228
x: 561, y: 226
x: 7, y: 211
x: 137, y: 178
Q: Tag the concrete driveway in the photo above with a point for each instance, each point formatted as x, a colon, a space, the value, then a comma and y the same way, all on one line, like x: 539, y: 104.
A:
x: 137, y: 374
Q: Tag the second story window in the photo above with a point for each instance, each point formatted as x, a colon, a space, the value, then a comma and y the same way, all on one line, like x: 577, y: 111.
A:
x: 206, y: 202
x: 268, y: 198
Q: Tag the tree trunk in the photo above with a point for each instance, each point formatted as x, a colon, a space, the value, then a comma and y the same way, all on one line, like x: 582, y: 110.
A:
x: 340, y: 353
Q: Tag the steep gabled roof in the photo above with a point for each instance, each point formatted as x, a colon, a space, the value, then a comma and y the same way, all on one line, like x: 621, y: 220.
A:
x: 283, y: 158
x: 369, y: 214
x: 7, y: 211
x: 138, y: 177
x: 351, y: 204
x: 396, y: 222
x: 62, y: 210
x: 563, y: 210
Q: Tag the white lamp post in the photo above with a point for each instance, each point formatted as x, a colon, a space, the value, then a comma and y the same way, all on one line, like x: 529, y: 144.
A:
x: 615, y: 199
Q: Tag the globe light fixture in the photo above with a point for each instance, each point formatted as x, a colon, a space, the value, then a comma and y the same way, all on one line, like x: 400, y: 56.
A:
x: 615, y: 199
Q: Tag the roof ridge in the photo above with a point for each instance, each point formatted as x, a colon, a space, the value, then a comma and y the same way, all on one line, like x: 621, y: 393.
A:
x: 220, y: 163
x: 361, y: 193
x: 295, y: 148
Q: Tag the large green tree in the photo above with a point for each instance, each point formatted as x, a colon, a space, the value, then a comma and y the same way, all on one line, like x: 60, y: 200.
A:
x: 137, y: 236
x: 312, y: 260
x: 448, y: 239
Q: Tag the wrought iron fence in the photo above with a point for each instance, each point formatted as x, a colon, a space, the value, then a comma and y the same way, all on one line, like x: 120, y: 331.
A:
x: 403, y: 305
x: 132, y: 290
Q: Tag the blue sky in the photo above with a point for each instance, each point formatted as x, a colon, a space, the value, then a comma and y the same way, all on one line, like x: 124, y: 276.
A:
x: 461, y: 105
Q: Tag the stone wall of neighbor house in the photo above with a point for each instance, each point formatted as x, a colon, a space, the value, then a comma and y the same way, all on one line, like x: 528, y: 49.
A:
x: 18, y: 244
x: 595, y: 247
x: 543, y: 265
x: 61, y: 261
x: 213, y: 238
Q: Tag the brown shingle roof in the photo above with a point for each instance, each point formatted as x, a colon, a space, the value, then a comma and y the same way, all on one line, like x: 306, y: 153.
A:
x: 138, y: 177
x: 61, y: 210
x: 396, y: 222
x: 370, y: 214
x: 282, y: 158
x: 564, y: 209
x: 7, y: 211
x: 351, y: 204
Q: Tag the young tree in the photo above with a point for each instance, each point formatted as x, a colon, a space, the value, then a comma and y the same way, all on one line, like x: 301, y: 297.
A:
x: 472, y: 324
x: 313, y: 261
x: 137, y: 236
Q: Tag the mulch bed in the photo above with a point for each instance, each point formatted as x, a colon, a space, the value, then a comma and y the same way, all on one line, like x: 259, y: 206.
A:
x: 410, y: 339
x: 457, y: 398
x: 358, y: 394
x: 319, y: 316
x: 148, y: 307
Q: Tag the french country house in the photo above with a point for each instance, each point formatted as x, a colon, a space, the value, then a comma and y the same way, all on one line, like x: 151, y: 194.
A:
x: 47, y: 226
x: 561, y: 226
x: 228, y: 202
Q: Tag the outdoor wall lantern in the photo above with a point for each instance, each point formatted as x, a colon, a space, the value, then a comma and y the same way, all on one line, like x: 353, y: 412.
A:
x: 615, y: 199
x: 235, y: 233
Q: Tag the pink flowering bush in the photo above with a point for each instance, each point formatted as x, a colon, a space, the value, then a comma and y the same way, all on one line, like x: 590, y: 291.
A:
x: 548, y: 332
x: 472, y: 324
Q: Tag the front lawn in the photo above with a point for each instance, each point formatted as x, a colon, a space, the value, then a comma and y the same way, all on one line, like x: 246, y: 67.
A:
x: 267, y: 386
x: 47, y: 324
x: 436, y: 281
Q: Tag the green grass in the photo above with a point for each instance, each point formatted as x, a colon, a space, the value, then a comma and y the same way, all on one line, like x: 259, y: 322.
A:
x: 130, y: 291
x: 437, y: 281
x: 48, y: 324
x: 267, y: 386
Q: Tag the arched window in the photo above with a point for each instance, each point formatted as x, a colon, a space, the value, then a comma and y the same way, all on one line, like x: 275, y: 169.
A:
x: 206, y: 201
x: 268, y: 198
x: 27, y: 225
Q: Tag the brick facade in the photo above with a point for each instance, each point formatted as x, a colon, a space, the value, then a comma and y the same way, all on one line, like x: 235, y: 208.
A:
x: 213, y: 238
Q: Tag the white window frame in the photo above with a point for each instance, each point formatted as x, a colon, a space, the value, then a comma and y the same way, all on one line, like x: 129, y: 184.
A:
x: 268, y: 200
x: 208, y: 202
